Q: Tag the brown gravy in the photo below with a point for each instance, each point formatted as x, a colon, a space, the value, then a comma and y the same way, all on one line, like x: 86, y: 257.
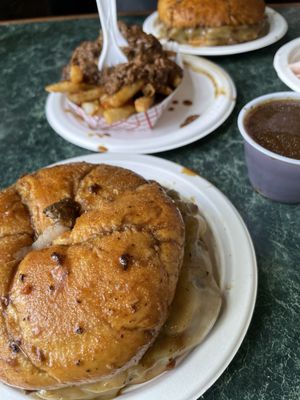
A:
x: 189, y: 120
x: 275, y: 125
x: 187, y: 102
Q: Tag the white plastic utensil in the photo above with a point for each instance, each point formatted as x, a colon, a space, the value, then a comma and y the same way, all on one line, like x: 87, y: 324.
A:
x: 111, y: 54
x: 121, y: 41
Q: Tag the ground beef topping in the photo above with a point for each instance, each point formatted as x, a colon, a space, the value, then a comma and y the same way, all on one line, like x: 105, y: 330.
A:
x: 147, y: 61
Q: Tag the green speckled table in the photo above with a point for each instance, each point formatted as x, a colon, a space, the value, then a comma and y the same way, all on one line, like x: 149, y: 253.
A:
x: 267, y: 366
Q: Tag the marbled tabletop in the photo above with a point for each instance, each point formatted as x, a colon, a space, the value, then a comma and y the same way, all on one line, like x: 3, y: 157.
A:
x: 267, y: 366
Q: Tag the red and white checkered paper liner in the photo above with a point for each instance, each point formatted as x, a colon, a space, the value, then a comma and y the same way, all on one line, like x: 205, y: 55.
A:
x: 139, y: 121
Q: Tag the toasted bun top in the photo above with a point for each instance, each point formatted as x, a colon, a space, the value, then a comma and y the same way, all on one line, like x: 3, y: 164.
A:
x: 91, y: 301
x: 210, y: 13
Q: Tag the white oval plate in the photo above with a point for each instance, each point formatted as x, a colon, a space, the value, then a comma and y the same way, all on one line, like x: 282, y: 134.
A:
x: 238, y: 282
x: 287, y: 54
x: 278, y: 28
x: 205, y: 84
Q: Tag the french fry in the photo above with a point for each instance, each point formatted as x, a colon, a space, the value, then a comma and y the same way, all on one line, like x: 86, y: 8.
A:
x: 90, y: 107
x: 87, y: 95
x: 165, y: 90
x: 177, y: 80
x: 99, y: 112
x: 66, y: 87
x: 112, y: 115
x: 122, y: 96
x: 76, y: 75
x: 148, y: 90
x: 142, y: 104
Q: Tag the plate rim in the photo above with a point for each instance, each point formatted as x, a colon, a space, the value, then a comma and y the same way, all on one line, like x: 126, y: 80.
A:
x: 54, y: 101
x: 267, y: 40
x: 280, y: 64
x: 205, y: 188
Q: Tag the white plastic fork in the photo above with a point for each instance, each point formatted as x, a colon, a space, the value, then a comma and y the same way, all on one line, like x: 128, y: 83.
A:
x: 111, y: 53
x: 121, y: 41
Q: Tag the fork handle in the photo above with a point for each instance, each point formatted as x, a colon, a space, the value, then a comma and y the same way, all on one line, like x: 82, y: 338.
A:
x: 104, y: 14
x: 111, y: 53
x: 121, y: 41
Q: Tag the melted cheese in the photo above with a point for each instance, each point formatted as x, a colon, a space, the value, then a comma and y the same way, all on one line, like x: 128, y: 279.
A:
x: 216, y: 36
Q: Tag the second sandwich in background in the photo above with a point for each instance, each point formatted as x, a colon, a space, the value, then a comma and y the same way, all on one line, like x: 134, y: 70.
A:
x: 212, y: 22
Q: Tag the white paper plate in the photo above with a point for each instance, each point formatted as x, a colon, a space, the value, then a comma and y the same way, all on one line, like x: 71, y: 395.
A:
x: 206, y: 85
x: 238, y: 281
x: 287, y: 54
x: 278, y: 28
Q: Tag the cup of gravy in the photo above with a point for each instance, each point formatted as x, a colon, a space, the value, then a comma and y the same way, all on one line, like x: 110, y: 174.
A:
x: 270, y: 126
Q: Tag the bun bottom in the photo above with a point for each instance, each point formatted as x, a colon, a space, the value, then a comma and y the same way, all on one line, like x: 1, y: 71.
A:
x: 216, y: 36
